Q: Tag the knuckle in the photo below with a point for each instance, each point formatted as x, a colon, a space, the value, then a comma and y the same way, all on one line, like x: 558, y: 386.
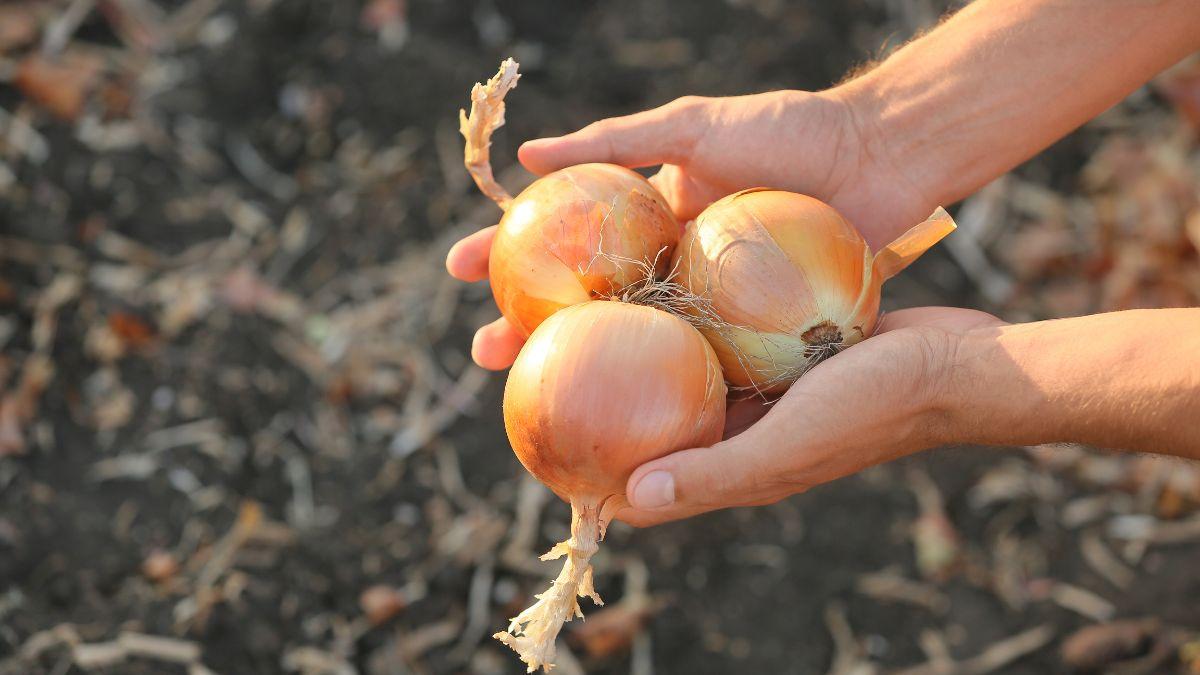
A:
x: 687, y: 103
x: 602, y: 136
x: 691, y: 119
x: 598, y: 128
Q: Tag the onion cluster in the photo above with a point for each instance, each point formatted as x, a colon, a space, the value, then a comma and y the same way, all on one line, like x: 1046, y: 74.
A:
x: 635, y: 326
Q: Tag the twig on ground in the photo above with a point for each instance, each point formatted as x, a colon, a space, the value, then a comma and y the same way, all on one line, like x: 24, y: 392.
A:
x: 890, y: 586
x: 995, y: 657
x: 1098, y: 556
x: 849, y: 658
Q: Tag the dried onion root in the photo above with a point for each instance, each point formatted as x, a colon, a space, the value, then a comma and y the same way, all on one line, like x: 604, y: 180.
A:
x: 531, y: 634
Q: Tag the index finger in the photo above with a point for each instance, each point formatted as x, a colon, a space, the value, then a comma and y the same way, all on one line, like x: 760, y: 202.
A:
x: 664, y: 135
x: 468, y: 258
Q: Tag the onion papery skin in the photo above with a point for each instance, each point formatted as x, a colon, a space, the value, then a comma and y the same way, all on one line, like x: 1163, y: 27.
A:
x: 576, y: 235
x: 789, y: 275
x: 603, y: 387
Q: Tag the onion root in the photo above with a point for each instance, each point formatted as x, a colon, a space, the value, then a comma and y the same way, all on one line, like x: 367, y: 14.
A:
x: 532, y: 633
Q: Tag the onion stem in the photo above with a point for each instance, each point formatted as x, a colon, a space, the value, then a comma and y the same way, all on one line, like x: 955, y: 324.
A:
x: 910, y: 245
x: 487, y: 115
x: 532, y: 633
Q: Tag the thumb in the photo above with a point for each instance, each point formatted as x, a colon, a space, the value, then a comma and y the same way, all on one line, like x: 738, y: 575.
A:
x: 730, y: 473
x: 663, y: 135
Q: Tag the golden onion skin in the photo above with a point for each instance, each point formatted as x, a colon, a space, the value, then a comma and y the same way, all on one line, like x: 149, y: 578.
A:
x: 545, y: 254
x: 787, y: 267
x: 603, y: 387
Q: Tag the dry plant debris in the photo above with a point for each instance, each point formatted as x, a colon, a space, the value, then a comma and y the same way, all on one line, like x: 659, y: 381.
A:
x: 239, y: 428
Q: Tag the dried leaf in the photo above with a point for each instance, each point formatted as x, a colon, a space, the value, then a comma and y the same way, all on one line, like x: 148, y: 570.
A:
x: 61, y: 86
x: 131, y: 329
x: 1103, y: 645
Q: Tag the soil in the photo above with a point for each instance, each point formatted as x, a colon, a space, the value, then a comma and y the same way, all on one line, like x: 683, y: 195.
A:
x: 315, y: 94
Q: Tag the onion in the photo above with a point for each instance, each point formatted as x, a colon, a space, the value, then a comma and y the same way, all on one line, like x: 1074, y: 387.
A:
x: 577, y: 234
x: 599, y: 389
x: 785, y: 281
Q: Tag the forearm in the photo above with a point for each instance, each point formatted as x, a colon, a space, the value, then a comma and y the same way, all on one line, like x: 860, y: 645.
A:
x: 1127, y: 380
x: 1003, y: 79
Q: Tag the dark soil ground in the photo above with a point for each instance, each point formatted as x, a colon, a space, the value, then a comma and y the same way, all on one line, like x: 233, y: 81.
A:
x: 237, y: 278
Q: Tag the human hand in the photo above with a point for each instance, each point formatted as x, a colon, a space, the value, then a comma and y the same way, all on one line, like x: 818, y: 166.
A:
x: 878, y: 400
x: 812, y: 143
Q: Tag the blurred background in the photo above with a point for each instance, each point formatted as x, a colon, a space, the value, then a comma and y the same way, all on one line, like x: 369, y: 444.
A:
x: 239, y: 427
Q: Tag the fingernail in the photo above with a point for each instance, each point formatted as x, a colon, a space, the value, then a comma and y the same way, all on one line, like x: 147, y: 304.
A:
x: 655, y: 490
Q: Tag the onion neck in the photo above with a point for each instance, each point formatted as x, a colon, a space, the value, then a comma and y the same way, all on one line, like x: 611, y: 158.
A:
x: 532, y: 633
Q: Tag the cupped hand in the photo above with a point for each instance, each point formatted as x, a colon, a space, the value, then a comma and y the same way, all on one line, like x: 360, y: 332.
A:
x: 817, y: 144
x: 878, y: 400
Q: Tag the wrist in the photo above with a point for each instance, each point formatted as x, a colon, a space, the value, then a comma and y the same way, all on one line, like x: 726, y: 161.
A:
x: 978, y: 394
x: 941, y: 409
x: 960, y: 375
x: 989, y: 397
x: 931, y: 409
x: 1089, y: 379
